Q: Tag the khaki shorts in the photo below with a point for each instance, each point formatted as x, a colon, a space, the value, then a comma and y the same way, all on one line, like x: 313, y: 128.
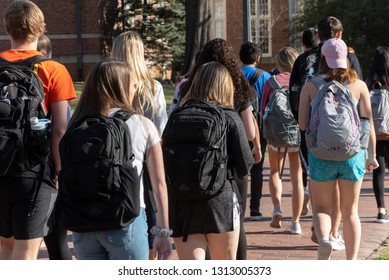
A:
x: 289, y: 150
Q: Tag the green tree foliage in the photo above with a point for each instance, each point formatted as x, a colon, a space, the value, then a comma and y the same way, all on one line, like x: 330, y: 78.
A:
x: 161, y: 24
x: 365, y: 23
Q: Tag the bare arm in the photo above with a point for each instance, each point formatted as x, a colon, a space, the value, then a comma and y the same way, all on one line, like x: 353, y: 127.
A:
x: 247, y: 118
x: 307, y: 94
x: 256, y: 151
x: 59, y: 123
x: 154, y: 160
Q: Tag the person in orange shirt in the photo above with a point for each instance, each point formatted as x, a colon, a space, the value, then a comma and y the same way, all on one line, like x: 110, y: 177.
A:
x: 21, y: 231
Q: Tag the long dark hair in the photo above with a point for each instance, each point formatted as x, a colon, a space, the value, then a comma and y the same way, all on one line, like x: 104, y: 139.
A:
x: 379, y: 70
x: 220, y: 51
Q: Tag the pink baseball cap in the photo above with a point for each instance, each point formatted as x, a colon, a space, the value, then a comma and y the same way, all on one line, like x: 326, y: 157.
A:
x: 335, y: 52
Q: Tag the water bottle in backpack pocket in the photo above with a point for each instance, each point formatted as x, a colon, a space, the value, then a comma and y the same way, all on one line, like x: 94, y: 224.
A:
x: 39, y: 130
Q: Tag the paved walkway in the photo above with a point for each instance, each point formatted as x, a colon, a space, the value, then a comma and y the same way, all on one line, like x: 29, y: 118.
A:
x: 266, y: 243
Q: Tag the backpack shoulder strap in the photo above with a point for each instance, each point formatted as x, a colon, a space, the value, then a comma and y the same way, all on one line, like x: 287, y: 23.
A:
x: 254, y: 78
x: 34, y: 60
x: 123, y: 115
x: 30, y: 62
x: 274, y: 83
x: 318, y: 81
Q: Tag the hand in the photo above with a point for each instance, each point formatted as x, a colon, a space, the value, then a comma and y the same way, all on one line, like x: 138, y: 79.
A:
x: 257, y: 154
x: 162, y: 246
x: 371, y: 164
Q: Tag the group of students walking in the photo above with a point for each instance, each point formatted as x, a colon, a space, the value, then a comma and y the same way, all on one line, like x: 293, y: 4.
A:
x: 204, y: 215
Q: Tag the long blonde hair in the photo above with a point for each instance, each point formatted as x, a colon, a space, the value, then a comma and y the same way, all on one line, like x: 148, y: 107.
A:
x: 213, y: 83
x: 128, y: 47
x: 106, y: 86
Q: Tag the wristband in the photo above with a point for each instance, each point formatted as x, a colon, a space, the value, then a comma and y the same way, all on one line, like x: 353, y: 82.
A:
x: 161, y: 232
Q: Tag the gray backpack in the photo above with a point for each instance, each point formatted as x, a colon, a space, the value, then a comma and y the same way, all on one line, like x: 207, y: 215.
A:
x: 280, y: 128
x: 379, y: 98
x: 334, y: 126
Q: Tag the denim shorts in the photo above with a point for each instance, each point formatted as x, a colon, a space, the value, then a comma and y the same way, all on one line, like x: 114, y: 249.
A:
x: 323, y: 170
x: 128, y: 243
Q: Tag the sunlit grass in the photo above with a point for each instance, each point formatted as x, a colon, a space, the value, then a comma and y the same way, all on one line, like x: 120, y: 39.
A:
x: 384, y: 255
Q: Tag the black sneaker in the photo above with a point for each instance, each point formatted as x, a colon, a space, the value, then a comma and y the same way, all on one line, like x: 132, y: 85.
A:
x: 255, y: 216
x: 382, y: 218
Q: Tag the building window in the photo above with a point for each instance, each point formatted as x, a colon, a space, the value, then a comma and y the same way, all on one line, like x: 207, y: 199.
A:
x: 260, y: 18
x: 219, y: 18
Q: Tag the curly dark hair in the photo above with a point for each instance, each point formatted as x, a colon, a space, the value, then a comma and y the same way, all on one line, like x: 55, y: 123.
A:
x: 219, y: 50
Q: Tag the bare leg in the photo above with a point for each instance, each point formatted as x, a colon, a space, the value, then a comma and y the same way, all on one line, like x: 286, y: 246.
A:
x: 27, y: 249
x: 275, y: 184
x: 6, y: 248
x: 193, y: 249
x: 349, y: 198
x: 297, y: 185
x: 322, y: 204
x: 336, y: 216
x: 223, y: 246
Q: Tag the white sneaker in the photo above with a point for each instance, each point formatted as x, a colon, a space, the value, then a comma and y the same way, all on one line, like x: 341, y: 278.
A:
x: 324, y: 250
x: 305, y: 209
x: 276, y: 220
x: 295, y: 228
x: 337, y: 243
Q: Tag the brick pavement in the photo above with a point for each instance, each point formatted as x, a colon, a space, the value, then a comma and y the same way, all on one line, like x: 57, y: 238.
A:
x: 266, y: 243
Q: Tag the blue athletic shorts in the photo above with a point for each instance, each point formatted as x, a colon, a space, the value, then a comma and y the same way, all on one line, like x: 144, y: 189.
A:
x: 323, y: 170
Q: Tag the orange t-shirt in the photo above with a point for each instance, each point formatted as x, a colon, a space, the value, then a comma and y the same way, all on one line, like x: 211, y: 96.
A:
x: 56, y: 80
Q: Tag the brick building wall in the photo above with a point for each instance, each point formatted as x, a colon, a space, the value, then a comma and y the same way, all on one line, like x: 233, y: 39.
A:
x: 235, y: 24
x: 279, y: 23
x: 280, y: 29
x: 61, y: 24
x: 62, y: 29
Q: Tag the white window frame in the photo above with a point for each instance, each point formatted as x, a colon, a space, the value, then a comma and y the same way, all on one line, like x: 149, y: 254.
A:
x: 256, y: 20
x: 219, y: 21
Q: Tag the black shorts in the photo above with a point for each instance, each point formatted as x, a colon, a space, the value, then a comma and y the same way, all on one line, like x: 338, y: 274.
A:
x: 25, y: 207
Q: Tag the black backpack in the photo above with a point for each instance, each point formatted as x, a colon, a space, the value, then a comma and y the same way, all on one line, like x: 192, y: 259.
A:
x: 194, y: 144
x: 98, y: 184
x: 21, y: 98
x: 255, y: 102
